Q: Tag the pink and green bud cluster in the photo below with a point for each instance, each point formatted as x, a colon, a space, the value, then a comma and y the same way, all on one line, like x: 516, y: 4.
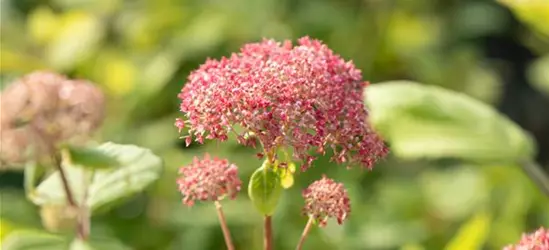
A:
x: 208, y: 179
x: 538, y: 240
x: 302, y: 97
x: 326, y: 199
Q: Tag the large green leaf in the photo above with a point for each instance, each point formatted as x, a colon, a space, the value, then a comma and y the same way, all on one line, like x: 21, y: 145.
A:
x: 265, y: 189
x: 33, y: 240
x: 138, y: 167
x: 421, y: 121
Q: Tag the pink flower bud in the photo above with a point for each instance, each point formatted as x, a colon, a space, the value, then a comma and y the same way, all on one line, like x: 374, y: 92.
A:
x: 325, y: 199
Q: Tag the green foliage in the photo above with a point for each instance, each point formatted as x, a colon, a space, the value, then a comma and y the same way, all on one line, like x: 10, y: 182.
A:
x: 534, y: 13
x: 138, y: 168
x: 140, y: 53
x: 423, y: 121
x: 538, y: 74
x: 88, y: 157
x: 33, y: 240
x: 472, y: 234
x: 265, y: 189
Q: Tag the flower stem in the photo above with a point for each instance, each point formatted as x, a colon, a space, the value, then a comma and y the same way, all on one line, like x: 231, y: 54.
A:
x: 268, y: 234
x: 305, y: 233
x: 224, y: 227
x: 64, y: 181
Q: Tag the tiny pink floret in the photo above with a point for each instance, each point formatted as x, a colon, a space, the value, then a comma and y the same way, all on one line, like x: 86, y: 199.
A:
x: 208, y: 179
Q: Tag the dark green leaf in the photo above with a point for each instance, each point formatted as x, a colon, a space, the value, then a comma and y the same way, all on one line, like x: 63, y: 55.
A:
x: 265, y: 189
x: 89, y: 157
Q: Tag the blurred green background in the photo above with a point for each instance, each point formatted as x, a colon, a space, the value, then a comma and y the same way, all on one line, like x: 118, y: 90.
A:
x: 140, y: 53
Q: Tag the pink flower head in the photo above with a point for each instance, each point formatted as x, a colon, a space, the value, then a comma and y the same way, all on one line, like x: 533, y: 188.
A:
x: 326, y: 198
x: 538, y: 240
x: 303, y: 97
x: 208, y: 180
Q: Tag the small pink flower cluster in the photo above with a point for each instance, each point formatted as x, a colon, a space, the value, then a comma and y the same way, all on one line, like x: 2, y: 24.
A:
x: 538, y: 240
x: 326, y: 198
x: 208, y: 179
x: 304, y: 97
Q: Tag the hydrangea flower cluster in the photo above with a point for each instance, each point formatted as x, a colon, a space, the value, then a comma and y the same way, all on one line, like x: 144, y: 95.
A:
x: 325, y: 199
x: 208, y: 179
x: 538, y: 240
x: 44, y: 108
x: 303, y: 97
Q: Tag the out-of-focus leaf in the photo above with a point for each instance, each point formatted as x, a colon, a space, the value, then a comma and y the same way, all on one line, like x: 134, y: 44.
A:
x: 77, y: 38
x: 265, y: 189
x: 455, y: 193
x: 51, y: 191
x: 139, y: 168
x: 6, y: 227
x: 423, y: 121
x: 32, y: 174
x: 89, y: 157
x: 58, y: 218
x: 43, y: 24
x: 533, y: 12
x: 419, y: 31
x: 472, y: 234
x: 33, y: 240
x: 116, y: 71
x: 15, y: 61
x: 538, y: 74
x: 78, y: 244
x: 97, y: 244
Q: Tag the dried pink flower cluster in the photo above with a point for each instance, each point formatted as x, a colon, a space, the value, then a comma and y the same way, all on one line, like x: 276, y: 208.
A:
x: 208, y: 179
x: 538, y: 240
x: 326, y: 198
x: 304, y: 97
x: 44, y: 108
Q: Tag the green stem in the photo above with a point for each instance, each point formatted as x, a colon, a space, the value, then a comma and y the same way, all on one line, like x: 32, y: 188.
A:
x: 536, y: 173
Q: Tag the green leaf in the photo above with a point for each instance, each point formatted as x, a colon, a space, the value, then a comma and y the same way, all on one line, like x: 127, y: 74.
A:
x: 421, y: 121
x: 472, y: 234
x: 265, y: 189
x: 138, y: 168
x: 51, y: 190
x: 96, y: 243
x: 89, y: 157
x: 78, y: 244
x: 33, y: 240
x: 538, y: 75
x: 32, y: 174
